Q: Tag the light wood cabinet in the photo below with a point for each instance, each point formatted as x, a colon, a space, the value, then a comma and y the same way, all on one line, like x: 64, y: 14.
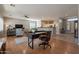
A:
x: 47, y: 23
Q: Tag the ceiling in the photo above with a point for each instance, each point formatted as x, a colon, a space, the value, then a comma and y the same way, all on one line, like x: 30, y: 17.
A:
x: 39, y: 11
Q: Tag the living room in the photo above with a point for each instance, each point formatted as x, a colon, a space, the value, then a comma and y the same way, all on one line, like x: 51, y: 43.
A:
x: 19, y: 21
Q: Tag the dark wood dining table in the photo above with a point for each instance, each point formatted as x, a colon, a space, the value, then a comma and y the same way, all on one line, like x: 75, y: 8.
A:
x: 33, y: 36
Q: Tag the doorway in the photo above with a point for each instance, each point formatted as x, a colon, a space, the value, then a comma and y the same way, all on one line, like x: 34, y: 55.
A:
x: 76, y: 31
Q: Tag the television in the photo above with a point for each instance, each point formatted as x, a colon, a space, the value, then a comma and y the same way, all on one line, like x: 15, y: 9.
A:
x: 18, y: 26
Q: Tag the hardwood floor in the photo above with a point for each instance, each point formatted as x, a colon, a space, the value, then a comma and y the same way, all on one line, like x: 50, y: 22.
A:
x: 58, y: 46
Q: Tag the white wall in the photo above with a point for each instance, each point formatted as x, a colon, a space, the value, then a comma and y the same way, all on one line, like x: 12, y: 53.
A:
x: 12, y: 22
x: 57, y: 27
x: 1, y: 24
x: 72, y: 26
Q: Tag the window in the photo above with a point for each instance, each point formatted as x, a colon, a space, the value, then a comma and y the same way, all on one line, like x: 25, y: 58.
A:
x: 72, y: 19
x: 33, y: 24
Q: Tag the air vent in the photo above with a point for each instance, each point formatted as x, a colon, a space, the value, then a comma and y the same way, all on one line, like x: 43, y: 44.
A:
x: 13, y: 5
x: 26, y: 16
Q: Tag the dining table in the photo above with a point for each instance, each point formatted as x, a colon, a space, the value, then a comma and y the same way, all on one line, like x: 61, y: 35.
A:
x: 33, y: 36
